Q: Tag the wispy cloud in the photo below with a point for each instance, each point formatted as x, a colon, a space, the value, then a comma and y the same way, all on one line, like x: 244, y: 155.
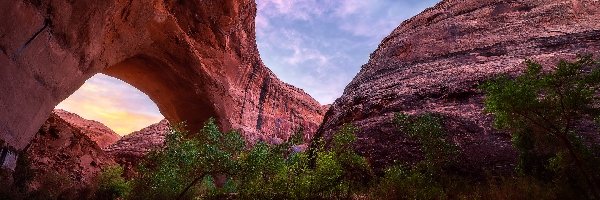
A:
x: 113, y: 103
x: 319, y: 45
x: 350, y: 7
x: 293, y: 9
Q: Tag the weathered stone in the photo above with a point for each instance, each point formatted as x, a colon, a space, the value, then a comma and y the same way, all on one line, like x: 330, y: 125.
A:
x: 60, y: 158
x: 96, y: 131
x: 194, y: 59
x: 434, y: 62
x: 132, y: 148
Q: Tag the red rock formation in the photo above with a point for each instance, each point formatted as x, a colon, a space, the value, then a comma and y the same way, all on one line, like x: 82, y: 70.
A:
x: 194, y: 59
x: 133, y: 147
x: 435, y: 61
x: 61, y: 157
x: 96, y: 131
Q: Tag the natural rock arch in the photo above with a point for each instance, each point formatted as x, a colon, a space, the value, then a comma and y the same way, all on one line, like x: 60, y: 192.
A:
x: 193, y: 58
x: 169, y: 90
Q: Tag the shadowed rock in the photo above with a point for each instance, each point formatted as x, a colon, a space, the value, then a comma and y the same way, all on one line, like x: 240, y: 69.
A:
x: 434, y: 62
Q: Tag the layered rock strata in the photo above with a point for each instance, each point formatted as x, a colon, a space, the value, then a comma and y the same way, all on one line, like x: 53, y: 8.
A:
x: 96, y: 131
x: 434, y: 62
x: 132, y: 148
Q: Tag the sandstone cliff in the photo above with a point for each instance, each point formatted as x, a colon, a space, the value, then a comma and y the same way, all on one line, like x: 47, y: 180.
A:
x: 194, y: 59
x: 133, y: 147
x: 61, y: 159
x: 96, y: 131
x: 435, y: 61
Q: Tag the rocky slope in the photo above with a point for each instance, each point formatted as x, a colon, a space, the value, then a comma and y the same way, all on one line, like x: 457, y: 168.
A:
x: 133, y: 147
x: 435, y: 61
x: 96, y: 131
x: 61, y: 159
x: 194, y: 59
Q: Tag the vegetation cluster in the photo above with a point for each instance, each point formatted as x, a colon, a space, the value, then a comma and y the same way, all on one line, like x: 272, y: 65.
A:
x: 551, y: 115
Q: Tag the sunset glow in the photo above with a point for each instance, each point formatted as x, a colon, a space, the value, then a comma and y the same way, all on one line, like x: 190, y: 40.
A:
x: 114, y: 103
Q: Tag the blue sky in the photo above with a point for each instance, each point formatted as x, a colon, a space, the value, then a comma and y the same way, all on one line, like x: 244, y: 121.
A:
x: 316, y: 45
x: 319, y: 45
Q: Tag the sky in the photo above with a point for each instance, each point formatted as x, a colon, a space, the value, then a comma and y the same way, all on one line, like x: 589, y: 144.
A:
x: 315, y: 45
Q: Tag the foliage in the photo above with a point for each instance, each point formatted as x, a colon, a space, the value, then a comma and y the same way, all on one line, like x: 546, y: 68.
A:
x: 218, y: 165
x: 401, y: 183
x: 111, y: 184
x: 426, y: 180
x: 542, y: 110
x: 429, y: 132
x: 188, y: 159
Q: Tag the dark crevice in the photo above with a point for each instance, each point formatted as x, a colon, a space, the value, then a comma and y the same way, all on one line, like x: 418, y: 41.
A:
x: 3, y: 155
x: 126, y: 10
x: 3, y: 50
x: 251, y: 77
x: 46, y: 24
x: 261, y: 101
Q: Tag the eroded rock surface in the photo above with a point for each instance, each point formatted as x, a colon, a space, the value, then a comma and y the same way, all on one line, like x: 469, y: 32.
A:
x: 61, y: 159
x: 129, y: 151
x: 194, y: 59
x: 96, y: 131
x: 435, y: 61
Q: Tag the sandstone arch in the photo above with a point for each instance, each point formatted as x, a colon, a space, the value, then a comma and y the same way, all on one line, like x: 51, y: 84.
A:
x: 169, y: 90
x: 193, y: 58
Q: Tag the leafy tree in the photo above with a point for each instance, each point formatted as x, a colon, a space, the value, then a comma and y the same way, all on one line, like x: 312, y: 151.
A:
x: 111, y: 184
x: 272, y: 172
x: 427, y: 179
x: 428, y: 130
x: 187, y: 160
x: 542, y: 111
x: 218, y: 165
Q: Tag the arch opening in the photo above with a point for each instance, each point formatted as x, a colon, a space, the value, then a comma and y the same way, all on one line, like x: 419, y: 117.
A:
x: 114, y: 103
x: 156, y: 92
x: 178, y: 99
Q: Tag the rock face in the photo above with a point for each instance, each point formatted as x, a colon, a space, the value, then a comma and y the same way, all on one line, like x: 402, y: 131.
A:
x: 435, y: 61
x: 96, y: 131
x: 133, y: 147
x: 61, y: 157
x: 194, y: 59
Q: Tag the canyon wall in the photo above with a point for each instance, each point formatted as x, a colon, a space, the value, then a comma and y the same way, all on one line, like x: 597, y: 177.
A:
x: 61, y: 160
x: 132, y: 148
x: 96, y: 131
x: 194, y: 59
x: 435, y: 61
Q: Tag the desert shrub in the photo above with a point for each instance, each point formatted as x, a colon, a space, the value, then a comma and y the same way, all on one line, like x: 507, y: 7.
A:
x: 215, y: 165
x: 428, y: 179
x: 111, y: 184
x: 428, y: 131
x: 338, y: 170
x: 401, y: 183
x: 542, y: 111
x: 181, y: 170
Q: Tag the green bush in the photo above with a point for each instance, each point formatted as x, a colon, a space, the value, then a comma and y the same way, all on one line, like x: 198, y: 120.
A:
x: 542, y: 111
x: 215, y: 165
x: 111, y: 184
x: 187, y: 160
x: 428, y: 131
x: 428, y: 178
